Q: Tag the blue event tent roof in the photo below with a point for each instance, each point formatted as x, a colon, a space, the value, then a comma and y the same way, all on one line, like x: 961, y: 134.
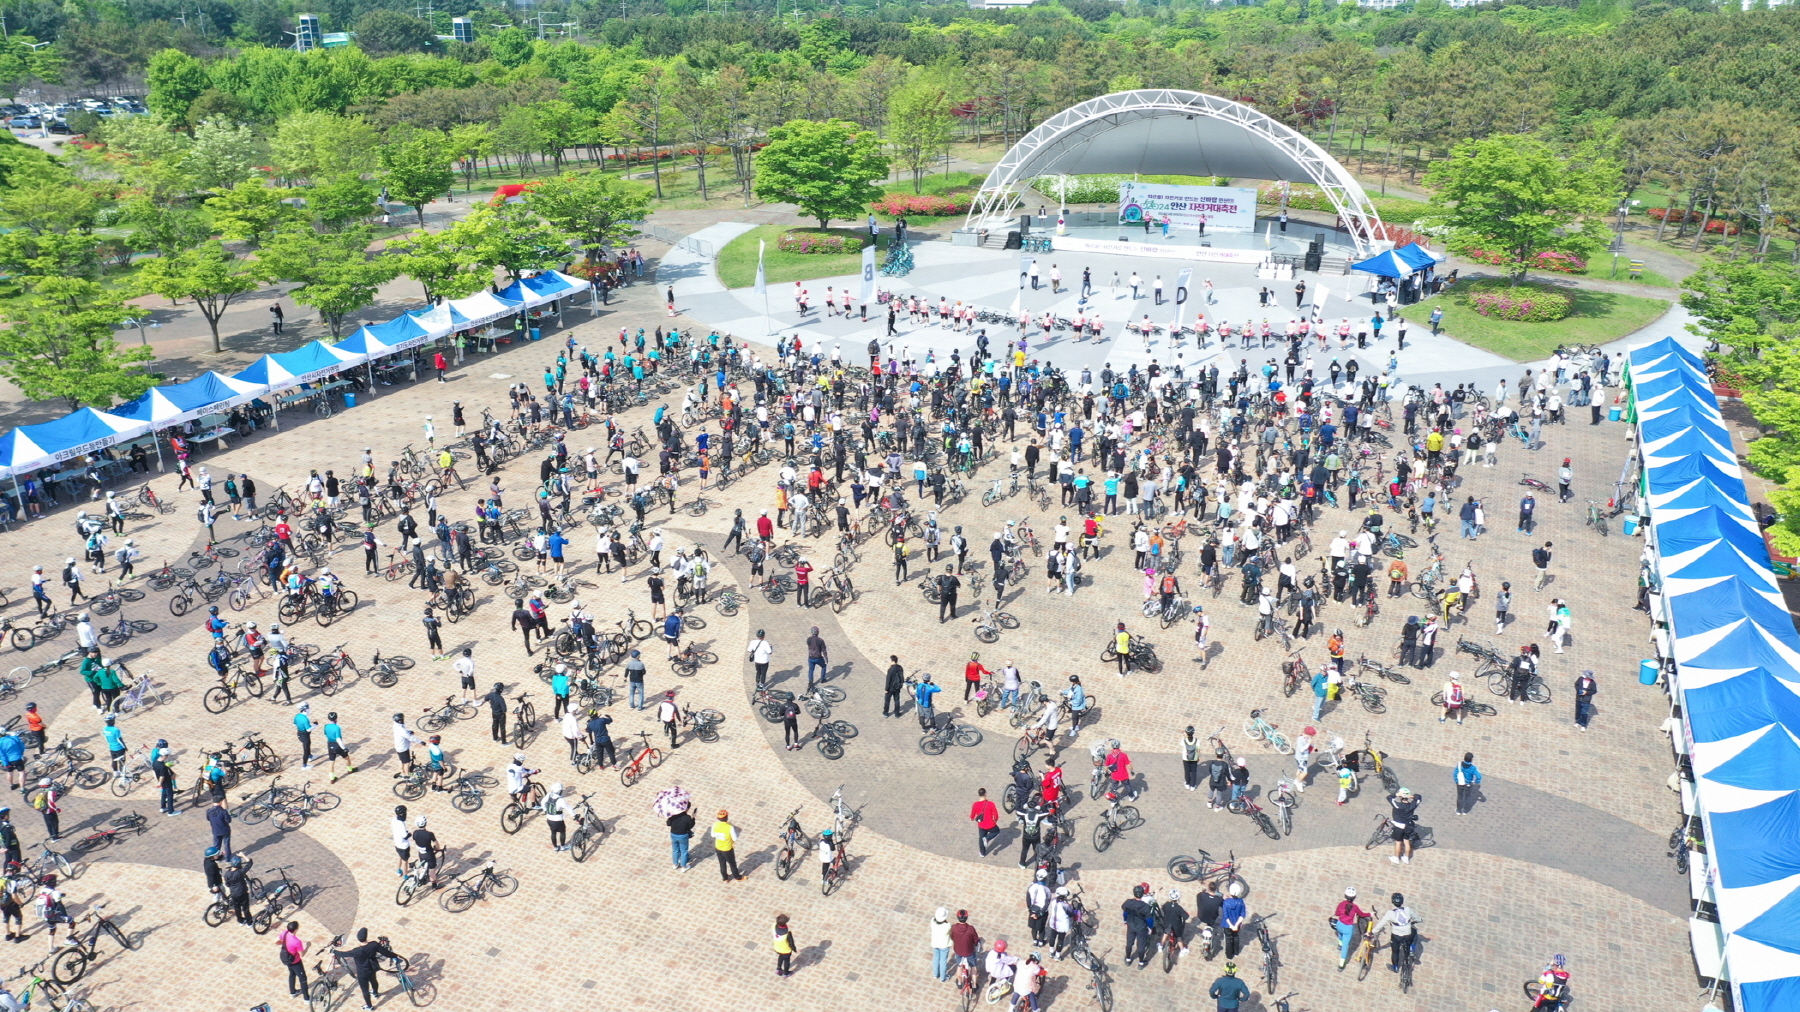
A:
x: 1388, y: 265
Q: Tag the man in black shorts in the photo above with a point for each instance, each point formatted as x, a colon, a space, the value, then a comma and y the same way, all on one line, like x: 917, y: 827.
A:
x: 402, y: 838
x: 465, y: 674
x: 429, y: 849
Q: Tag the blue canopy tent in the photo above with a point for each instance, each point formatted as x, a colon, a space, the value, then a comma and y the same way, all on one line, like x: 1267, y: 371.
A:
x: 402, y: 333
x: 1741, y: 704
x: 1704, y: 527
x: 311, y: 362
x: 1387, y: 265
x: 1723, y: 603
x: 1697, y: 495
x: 440, y: 320
x: 82, y: 432
x: 266, y: 374
x: 547, y: 287
x: 1417, y: 255
x: 1678, y: 441
x: 365, y: 343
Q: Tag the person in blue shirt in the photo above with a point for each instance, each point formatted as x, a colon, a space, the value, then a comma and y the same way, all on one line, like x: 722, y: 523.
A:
x: 303, y: 727
x: 1231, y: 917
x: 115, y: 742
x: 922, y: 694
x: 12, y: 756
x: 334, y: 747
x: 556, y: 543
x: 216, y: 626
x: 658, y: 417
x: 559, y: 690
x: 672, y: 632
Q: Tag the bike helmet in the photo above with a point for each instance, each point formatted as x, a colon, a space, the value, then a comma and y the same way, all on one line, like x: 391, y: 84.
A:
x: 825, y: 833
x: 1398, y: 899
x: 419, y: 822
x: 556, y: 790
x: 1137, y: 891
x: 1230, y: 969
x: 274, y: 628
x: 162, y: 743
x: 999, y: 945
x: 1174, y: 895
x: 399, y: 718
x: 1559, y: 959
x: 214, y: 610
x: 110, y: 719
x: 519, y: 757
x: 1237, y: 890
x: 1350, y: 893
x: 250, y: 625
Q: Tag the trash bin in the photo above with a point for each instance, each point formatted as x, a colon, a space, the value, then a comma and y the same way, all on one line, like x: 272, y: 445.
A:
x: 1612, y: 414
x: 1647, y: 671
x: 1631, y: 526
x: 349, y: 399
x: 536, y: 333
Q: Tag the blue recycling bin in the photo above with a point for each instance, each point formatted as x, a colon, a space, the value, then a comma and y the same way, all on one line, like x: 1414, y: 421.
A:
x: 1612, y: 414
x: 1647, y: 671
x: 349, y: 399
x: 536, y: 333
x: 1631, y: 526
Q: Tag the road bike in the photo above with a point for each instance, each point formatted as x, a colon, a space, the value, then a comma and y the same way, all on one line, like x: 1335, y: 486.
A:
x: 289, y: 807
x: 1259, y: 729
x: 647, y: 758
x: 1243, y: 804
x: 1205, y: 870
x: 462, y: 894
x: 419, y: 992
x: 1116, y: 820
x: 1271, y: 954
x: 1372, y: 697
x: 71, y: 962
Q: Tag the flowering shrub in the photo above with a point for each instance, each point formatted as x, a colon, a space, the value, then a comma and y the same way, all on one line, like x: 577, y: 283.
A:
x: 818, y: 242
x: 1304, y: 198
x: 1719, y: 226
x: 591, y: 271
x: 930, y: 204
x: 1524, y: 305
x: 1675, y: 215
x: 1561, y: 263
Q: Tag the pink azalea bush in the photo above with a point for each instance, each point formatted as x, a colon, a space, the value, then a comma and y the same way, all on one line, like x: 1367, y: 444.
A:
x: 921, y: 204
x: 1524, y: 305
x: 818, y: 242
x: 1560, y: 263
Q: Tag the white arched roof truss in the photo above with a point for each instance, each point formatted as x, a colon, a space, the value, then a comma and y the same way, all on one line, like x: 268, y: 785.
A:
x: 1167, y: 132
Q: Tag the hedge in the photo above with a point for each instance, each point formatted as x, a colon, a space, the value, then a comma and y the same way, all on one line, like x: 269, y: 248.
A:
x: 925, y: 204
x: 1561, y: 263
x: 1525, y: 304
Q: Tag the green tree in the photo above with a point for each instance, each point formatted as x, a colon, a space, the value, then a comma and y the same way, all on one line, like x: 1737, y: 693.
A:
x: 445, y: 264
x: 341, y: 201
x: 248, y: 211
x: 337, y: 275
x: 164, y: 231
x: 321, y: 145
x: 59, y: 346
x: 417, y: 171
x: 216, y: 104
x: 511, y: 47
x: 1739, y: 304
x: 830, y: 169
x: 1516, y: 196
x: 513, y: 237
x: 224, y: 154
x: 176, y: 80
x: 382, y: 31
x: 919, y: 128
x: 208, y: 274
x: 593, y: 211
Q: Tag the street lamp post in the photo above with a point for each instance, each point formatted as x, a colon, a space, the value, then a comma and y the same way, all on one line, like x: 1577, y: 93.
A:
x: 140, y: 323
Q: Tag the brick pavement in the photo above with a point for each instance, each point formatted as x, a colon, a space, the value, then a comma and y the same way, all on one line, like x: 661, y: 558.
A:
x: 1522, y: 879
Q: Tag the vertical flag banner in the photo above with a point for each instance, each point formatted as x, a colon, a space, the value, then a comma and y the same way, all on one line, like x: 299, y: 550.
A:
x: 762, y: 283
x: 868, y: 274
x: 1182, y: 279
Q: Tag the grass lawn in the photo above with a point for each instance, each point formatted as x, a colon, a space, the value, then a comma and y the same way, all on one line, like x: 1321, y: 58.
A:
x: 737, y: 261
x: 1599, y: 317
x: 1600, y: 268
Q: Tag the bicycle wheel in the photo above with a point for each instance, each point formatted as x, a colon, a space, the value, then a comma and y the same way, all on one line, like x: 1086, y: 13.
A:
x: 1267, y: 825
x: 1103, y: 992
x: 216, y: 913
x: 1287, y: 819
x: 1365, y: 960
x: 1104, y: 835
x: 459, y: 900
x: 784, y: 863
x: 512, y: 818
x: 1384, y: 833
x: 631, y: 773
x: 1183, y: 868
x: 179, y: 605
x: 1537, y: 692
x: 290, y: 817
x: 831, y: 749
x: 987, y: 634
x: 931, y: 744
x: 1389, y: 780
x: 503, y: 884
x: 967, y: 736
x: 69, y: 966
x: 262, y: 920
x: 467, y: 801
x: 1083, y: 956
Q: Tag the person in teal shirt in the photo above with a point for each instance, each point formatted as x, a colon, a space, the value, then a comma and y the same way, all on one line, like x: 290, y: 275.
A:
x: 115, y: 742
x: 1228, y: 990
x: 303, y: 728
x: 334, y: 747
x: 559, y: 688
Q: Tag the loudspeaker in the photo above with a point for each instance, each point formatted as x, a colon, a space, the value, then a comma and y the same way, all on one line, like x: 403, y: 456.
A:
x: 1312, y: 261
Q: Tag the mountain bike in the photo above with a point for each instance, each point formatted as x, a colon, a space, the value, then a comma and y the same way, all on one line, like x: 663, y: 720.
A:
x: 462, y: 894
x: 1259, y: 729
x: 524, y: 722
x: 989, y: 623
x: 132, y: 823
x: 385, y: 671
x: 114, y: 599
x: 419, y: 992
x: 53, y: 992
x: 794, y: 844
x: 447, y: 714
x: 967, y: 987
x: 1114, y: 821
x: 1373, y: 760
x: 1375, y: 667
x: 513, y: 816
x: 1243, y: 804
x: 830, y: 735
x: 1271, y: 954
x: 940, y: 738
x: 1205, y: 870
x: 728, y: 601
x: 71, y: 961
x: 837, y: 869
x: 686, y: 662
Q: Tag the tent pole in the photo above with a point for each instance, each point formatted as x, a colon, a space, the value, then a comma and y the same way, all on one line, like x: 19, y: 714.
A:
x: 154, y: 441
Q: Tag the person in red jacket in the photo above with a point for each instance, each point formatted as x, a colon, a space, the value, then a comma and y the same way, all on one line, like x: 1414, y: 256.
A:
x: 987, y: 821
x: 965, y: 941
x: 1052, y: 786
x: 972, y: 675
x: 437, y: 361
x: 765, y: 528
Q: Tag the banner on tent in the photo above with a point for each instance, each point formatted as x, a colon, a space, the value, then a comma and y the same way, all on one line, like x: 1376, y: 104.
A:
x: 1204, y: 254
x: 94, y: 446
x: 1225, y: 208
x: 318, y: 374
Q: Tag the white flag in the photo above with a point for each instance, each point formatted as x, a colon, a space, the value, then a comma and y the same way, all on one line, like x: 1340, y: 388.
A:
x: 868, y: 273
x: 762, y: 283
x: 1320, y: 294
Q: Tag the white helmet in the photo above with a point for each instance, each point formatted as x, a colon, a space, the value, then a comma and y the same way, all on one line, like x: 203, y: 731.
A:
x: 419, y: 822
x: 556, y: 790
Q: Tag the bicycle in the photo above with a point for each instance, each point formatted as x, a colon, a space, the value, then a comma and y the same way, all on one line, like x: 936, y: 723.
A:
x: 1372, y: 697
x: 112, y: 600
x: 1205, y: 870
x: 1259, y: 729
x: 1534, y: 484
x: 446, y: 715
x: 52, y: 990
x: 463, y: 893
x: 513, y: 816
x: 524, y: 722
x: 1244, y: 805
x: 1472, y: 707
x: 989, y: 623
x: 132, y: 823
x: 1285, y: 797
x: 71, y: 962
x: 1116, y: 820
x: 837, y: 869
x: 1271, y: 954
x: 1376, y: 667
x: 967, y: 987
x: 1368, y: 950
x: 1294, y: 673
x: 938, y: 739
x: 829, y: 737
x: 688, y: 660
x: 1596, y: 517
x: 640, y: 764
x: 419, y: 992
x: 794, y: 843
x: 728, y: 602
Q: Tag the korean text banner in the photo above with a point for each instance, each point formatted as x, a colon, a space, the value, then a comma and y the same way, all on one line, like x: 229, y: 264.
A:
x: 1225, y: 208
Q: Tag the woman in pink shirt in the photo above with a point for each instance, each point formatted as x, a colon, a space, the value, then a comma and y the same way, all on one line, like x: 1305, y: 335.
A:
x: 293, y: 956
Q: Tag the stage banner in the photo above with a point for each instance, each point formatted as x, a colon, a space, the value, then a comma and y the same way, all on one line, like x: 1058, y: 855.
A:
x: 1224, y: 208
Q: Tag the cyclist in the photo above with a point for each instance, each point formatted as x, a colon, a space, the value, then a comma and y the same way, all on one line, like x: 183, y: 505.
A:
x: 1169, y: 587
x: 999, y: 964
x: 1399, y: 922
x: 1122, y: 647
x: 439, y: 763
x: 1228, y: 990
x: 1172, y: 920
x: 1344, y: 921
x: 430, y: 851
x: 1554, y: 985
x: 829, y: 848
x: 1077, y: 703
x: 518, y: 778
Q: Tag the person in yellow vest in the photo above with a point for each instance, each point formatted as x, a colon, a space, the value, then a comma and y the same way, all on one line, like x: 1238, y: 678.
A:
x: 724, y: 836
x: 784, y: 947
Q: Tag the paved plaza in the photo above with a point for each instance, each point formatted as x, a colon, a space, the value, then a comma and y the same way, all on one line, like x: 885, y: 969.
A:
x: 1564, y: 852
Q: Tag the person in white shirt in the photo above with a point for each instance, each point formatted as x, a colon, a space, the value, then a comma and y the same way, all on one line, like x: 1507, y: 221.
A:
x: 760, y: 650
x: 670, y: 715
x: 404, y: 740
x: 999, y: 964
x: 571, y: 732
x: 518, y: 778
x: 402, y: 838
x: 85, y: 637
x: 827, y: 851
